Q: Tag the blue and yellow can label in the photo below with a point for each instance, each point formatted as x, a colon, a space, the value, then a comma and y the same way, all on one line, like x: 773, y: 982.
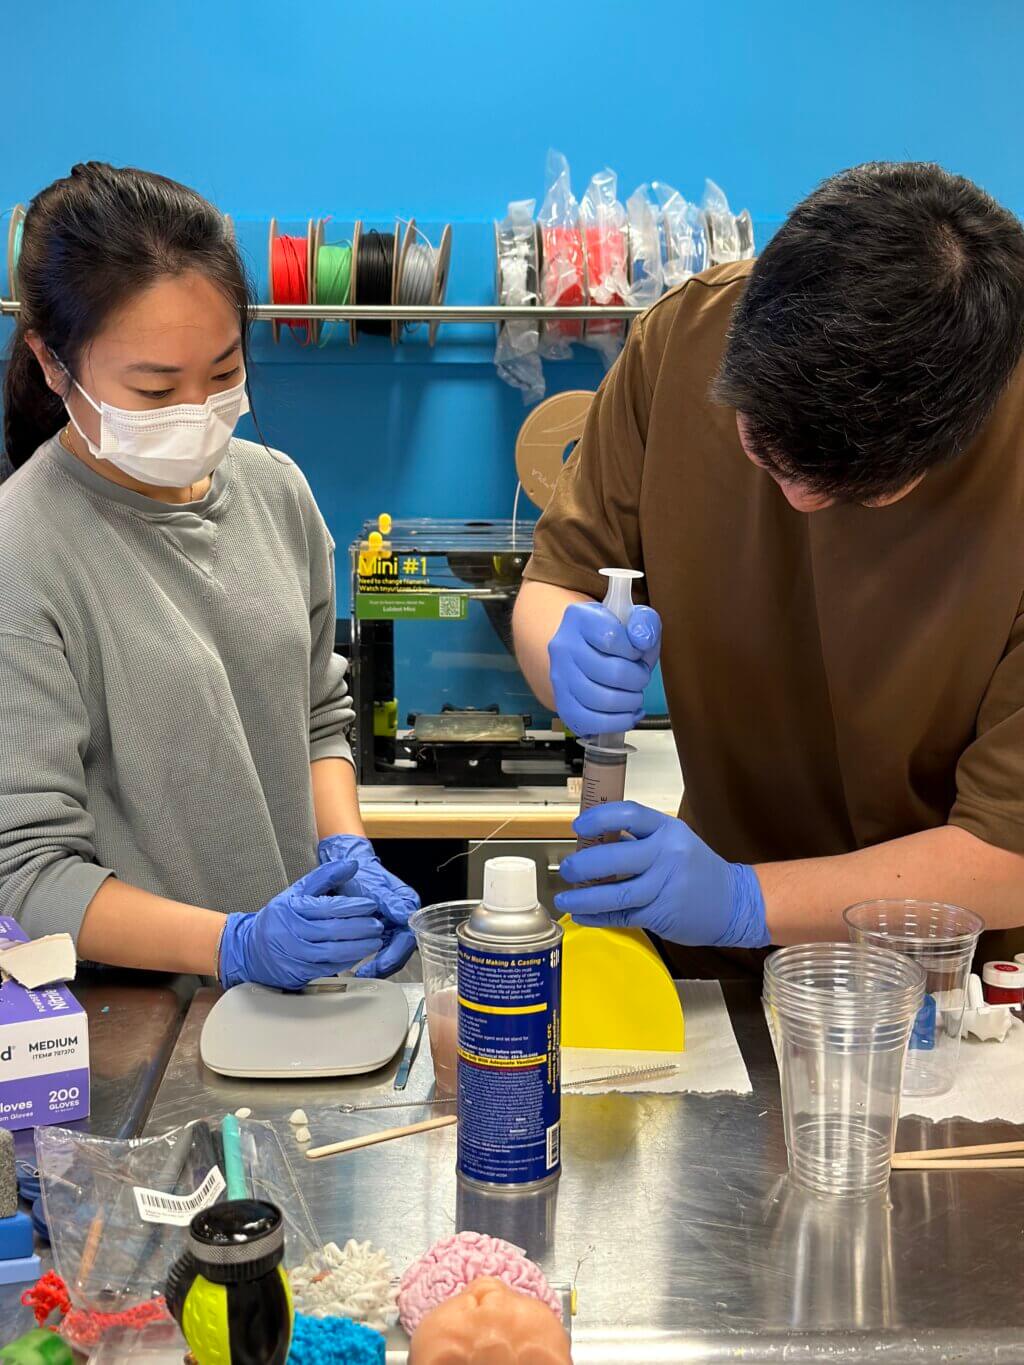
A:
x: 509, y: 1040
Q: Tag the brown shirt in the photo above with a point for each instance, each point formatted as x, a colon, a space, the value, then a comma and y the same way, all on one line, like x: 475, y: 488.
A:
x: 834, y: 679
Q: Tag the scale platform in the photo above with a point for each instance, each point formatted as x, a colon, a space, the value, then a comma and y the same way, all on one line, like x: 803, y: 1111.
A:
x: 342, y: 1027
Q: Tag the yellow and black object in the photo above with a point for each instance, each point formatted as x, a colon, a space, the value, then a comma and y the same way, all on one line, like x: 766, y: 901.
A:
x: 229, y: 1292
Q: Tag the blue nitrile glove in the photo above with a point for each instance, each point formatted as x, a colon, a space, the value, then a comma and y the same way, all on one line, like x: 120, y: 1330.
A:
x: 673, y: 883
x: 599, y: 667
x: 394, y: 900
x: 319, y: 926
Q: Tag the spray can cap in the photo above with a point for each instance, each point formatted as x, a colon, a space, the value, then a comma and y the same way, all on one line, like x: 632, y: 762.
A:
x: 510, y: 884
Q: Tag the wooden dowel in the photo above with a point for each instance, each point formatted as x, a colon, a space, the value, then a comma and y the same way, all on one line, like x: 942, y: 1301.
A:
x: 977, y: 1164
x: 981, y: 1149
x: 385, y: 1135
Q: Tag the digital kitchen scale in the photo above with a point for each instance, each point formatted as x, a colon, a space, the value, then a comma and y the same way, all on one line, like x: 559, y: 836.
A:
x: 341, y: 1027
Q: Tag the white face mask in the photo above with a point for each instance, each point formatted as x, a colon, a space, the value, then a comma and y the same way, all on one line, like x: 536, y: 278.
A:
x: 168, y: 447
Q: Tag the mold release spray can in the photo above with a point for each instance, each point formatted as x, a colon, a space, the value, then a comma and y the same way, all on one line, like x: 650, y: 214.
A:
x: 509, y: 1040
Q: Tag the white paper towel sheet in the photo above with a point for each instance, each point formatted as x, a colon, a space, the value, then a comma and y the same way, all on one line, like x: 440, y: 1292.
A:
x: 989, y: 1083
x: 712, y: 1063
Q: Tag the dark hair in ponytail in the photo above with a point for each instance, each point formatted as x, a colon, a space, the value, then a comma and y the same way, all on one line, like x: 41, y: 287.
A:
x: 90, y: 242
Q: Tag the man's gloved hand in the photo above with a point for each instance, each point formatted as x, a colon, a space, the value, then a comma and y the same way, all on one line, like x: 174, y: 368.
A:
x: 672, y: 883
x: 394, y: 900
x: 599, y: 667
x: 319, y: 926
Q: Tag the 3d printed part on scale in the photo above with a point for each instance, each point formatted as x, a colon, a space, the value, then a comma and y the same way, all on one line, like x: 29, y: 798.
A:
x: 617, y: 993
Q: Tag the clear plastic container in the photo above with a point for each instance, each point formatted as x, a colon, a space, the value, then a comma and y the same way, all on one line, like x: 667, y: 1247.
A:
x: 841, y: 1015
x: 942, y: 940
x: 435, y: 928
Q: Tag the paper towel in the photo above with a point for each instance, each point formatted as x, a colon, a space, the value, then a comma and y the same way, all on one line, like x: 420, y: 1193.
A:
x: 989, y: 1083
x: 711, y: 1064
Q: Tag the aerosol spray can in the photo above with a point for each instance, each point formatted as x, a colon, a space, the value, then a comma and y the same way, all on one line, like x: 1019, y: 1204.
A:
x: 509, y: 1039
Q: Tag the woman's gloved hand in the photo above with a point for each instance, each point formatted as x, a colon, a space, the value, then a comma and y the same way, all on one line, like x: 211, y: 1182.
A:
x: 319, y: 926
x: 600, y: 667
x: 394, y: 900
x: 670, y: 882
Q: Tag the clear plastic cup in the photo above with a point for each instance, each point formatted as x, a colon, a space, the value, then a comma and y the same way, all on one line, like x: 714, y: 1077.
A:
x: 435, y: 927
x: 841, y: 1015
x: 941, y: 939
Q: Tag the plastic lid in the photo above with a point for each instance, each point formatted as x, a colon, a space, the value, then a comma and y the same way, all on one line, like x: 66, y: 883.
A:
x: 510, y: 884
x: 1008, y: 974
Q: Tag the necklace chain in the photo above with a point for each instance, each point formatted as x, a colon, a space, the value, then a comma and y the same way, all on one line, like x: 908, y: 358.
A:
x: 65, y: 440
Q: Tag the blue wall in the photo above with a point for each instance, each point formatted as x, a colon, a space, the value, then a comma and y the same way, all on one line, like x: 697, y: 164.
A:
x: 445, y: 110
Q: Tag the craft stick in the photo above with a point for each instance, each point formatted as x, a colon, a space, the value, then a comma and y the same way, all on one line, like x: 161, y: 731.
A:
x: 981, y: 1149
x: 977, y: 1164
x: 385, y: 1135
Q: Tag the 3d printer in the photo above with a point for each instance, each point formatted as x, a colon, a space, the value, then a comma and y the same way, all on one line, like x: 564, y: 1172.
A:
x: 439, y: 697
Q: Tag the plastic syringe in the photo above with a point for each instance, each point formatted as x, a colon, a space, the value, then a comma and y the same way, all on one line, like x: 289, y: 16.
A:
x: 604, y: 756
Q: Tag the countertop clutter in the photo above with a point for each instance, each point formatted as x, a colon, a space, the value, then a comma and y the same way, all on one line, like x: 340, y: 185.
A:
x: 673, y: 1220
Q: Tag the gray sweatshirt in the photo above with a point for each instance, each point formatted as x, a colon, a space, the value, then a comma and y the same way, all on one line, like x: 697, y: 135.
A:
x: 166, y: 676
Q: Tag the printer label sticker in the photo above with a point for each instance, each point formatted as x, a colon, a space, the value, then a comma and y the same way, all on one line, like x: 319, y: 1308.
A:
x: 178, y: 1210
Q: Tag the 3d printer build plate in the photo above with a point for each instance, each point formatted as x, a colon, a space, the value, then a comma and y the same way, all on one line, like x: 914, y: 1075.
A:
x: 342, y: 1027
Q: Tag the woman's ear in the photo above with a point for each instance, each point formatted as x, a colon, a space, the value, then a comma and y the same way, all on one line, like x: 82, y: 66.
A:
x: 55, y: 374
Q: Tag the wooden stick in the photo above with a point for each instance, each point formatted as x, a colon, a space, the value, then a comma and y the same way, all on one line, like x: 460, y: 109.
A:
x: 981, y: 1149
x: 977, y: 1164
x: 385, y: 1135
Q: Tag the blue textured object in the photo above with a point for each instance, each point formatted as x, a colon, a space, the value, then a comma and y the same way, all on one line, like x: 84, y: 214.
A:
x: 15, y: 1236
x: 923, y: 1035
x: 334, y: 1341
x: 24, y: 1270
x: 29, y: 1188
x: 39, y: 1219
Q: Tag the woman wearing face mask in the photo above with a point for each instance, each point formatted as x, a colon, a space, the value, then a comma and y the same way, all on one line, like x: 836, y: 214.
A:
x: 176, y: 789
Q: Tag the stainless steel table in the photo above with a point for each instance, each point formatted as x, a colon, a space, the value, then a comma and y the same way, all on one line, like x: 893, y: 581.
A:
x: 673, y: 1218
x: 134, y: 1021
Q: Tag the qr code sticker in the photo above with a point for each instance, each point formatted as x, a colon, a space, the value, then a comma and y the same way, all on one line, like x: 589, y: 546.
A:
x: 449, y: 607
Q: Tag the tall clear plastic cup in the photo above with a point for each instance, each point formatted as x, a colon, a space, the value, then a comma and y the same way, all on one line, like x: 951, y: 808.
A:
x: 942, y: 940
x: 841, y: 1015
x: 434, y: 927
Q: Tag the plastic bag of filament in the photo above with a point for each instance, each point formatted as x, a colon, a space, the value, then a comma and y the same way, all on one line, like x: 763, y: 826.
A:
x: 685, y: 235
x: 730, y: 236
x: 516, y: 354
x: 119, y: 1211
x: 646, y: 269
x: 563, y: 277
x: 603, y: 224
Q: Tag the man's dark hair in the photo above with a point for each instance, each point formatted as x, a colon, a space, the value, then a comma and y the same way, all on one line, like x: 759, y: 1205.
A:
x: 877, y: 329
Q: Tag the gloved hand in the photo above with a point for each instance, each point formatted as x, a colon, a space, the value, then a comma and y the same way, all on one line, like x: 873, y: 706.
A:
x: 319, y: 926
x: 673, y: 883
x: 599, y: 667
x: 394, y: 900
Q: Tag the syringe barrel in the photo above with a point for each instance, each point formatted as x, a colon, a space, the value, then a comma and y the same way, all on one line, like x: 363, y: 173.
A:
x: 604, y: 781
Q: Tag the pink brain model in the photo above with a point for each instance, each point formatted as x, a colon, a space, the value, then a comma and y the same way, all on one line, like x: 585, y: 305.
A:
x: 455, y: 1262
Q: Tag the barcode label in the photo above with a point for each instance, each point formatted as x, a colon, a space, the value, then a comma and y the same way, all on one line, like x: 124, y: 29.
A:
x: 449, y: 606
x: 554, y: 1145
x: 178, y: 1210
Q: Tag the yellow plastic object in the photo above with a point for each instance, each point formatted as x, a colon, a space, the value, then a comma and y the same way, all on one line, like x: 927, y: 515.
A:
x: 384, y: 523
x: 617, y: 992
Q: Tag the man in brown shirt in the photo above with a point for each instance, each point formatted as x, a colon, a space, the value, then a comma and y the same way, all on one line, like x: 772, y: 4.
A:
x: 815, y: 459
